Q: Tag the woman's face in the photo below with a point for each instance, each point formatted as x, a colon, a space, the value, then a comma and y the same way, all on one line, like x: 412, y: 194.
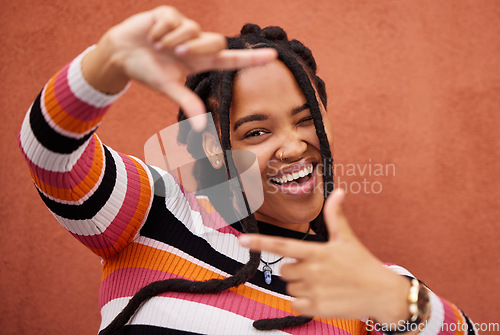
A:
x: 270, y: 116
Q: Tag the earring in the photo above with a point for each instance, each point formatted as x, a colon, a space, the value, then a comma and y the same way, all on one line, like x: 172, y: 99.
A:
x: 281, y: 156
x: 216, y: 162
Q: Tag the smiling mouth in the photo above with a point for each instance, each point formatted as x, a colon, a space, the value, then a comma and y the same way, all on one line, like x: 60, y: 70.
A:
x: 299, y: 177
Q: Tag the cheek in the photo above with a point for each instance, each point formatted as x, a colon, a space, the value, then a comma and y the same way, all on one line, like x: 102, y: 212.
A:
x: 310, y: 136
x: 265, y: 168
x: 263, y: 156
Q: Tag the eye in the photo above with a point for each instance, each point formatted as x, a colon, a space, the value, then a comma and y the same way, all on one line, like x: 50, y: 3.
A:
x: 306, y: 121
x: 255, y: 133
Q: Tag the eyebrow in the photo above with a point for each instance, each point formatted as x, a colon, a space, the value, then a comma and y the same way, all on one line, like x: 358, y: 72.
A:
x: 262, y: 117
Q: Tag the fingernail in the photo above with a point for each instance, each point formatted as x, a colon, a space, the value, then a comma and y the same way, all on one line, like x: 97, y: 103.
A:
x: 181, y: 49
x: 244, y: 241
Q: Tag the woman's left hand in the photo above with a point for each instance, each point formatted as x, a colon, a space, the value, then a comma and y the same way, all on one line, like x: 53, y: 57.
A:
x: 339, y: 278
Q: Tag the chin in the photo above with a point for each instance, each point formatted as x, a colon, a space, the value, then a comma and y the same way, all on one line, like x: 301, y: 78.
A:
x: 290, y: 212
x: 291, y: 208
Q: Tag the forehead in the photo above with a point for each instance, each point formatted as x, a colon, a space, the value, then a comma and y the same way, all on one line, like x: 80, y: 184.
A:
x: 268, y: 88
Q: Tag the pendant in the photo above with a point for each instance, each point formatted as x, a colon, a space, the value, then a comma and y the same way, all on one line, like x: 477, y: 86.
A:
x: 267, y: 274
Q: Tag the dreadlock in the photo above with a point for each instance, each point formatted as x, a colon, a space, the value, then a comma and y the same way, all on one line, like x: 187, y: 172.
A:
x: 215, y: 89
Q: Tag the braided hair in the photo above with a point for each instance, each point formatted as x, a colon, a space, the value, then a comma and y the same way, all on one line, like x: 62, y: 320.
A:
x: 215, y: 89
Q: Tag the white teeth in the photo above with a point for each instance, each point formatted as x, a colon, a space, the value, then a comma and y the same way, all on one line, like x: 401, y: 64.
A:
x: 293, y: 176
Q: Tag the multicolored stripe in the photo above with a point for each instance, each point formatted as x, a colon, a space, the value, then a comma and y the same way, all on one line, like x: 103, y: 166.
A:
x: 100, y: 196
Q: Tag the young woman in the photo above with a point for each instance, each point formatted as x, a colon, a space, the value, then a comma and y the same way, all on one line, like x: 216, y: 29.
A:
x: 158, y: 242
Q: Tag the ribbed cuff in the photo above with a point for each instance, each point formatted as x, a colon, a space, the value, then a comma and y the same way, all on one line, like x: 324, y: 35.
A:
x: 83, y: 90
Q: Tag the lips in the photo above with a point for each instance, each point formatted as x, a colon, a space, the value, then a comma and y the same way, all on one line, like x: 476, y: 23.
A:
x: 297, y: 179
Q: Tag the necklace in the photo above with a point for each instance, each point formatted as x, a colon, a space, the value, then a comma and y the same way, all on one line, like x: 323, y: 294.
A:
x: 267, y: 269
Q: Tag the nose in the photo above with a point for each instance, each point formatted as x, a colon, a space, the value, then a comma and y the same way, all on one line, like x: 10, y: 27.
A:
x: 292, y: 146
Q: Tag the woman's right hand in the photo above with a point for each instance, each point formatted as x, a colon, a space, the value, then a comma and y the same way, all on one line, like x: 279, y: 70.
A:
x: 159, y: 48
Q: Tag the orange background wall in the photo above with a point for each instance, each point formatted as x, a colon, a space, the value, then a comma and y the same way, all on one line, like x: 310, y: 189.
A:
x: 415, y: 84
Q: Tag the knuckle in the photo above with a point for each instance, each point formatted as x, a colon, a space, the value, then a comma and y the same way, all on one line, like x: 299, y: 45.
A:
x: 286, y: 270
x: 257, y: 243
x: 298, y: 305
x: 280, y: 246
x: 315, y: 268
x: 192, y: 26
x: 315, y: 306
x: 315, y: 253
x: 196, y: 26
x: 307, y: 286
x: 318, y: 292
x: 168, y: 10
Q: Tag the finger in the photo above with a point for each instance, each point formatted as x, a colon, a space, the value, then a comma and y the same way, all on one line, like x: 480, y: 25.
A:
x: 153, y: 75
x: 303, y: 306
x: 166, y: 19
x: 190, y: 103
x: 297, y: 289
x: 293, y: 271
x: 236, y: 59
x: 206, y: 43
x: 185, y: 32
x: 335, y: 220
x: 286, y: 247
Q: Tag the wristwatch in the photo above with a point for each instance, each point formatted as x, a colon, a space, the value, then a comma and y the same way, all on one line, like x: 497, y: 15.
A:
x: 419, y: 307
x: 419, y: 303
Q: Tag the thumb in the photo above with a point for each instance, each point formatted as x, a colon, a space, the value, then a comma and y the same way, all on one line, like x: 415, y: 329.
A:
x: 335, y: 221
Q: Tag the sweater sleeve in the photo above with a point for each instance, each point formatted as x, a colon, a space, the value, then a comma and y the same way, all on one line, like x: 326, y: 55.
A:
x: 445, y: 318
x: 100, y: 196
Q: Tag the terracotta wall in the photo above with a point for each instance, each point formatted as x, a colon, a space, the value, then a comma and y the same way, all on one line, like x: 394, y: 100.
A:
x: 413, y: 87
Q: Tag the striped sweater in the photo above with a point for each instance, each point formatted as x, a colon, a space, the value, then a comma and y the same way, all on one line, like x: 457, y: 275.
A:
x: 145, y: 227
